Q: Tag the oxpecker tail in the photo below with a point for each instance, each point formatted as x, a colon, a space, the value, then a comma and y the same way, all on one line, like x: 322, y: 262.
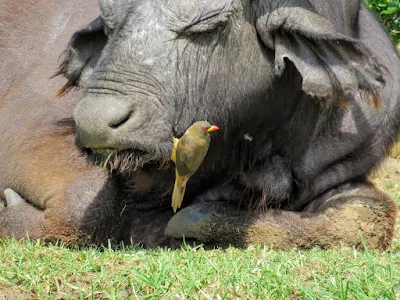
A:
x: 179, y: 192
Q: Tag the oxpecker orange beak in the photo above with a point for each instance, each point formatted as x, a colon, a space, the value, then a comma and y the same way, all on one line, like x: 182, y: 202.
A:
x: 213, y: 128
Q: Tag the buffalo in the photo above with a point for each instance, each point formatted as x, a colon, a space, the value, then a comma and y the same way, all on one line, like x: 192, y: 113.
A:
x: 306, y: 94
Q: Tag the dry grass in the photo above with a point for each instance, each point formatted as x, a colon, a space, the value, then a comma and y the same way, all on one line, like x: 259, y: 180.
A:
x: 396, y: 150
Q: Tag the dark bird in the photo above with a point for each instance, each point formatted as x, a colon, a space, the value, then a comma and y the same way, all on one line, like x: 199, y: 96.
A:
x: 188, y: 153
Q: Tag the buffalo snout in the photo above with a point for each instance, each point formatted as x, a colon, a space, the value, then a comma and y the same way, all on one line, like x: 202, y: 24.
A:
x: 99, y: 121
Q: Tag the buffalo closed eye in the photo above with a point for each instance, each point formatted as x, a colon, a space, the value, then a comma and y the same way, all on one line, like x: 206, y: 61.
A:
x: 208, y: 22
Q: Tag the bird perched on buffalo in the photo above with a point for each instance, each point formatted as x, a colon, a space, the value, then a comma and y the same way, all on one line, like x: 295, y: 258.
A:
x: 188, y: 153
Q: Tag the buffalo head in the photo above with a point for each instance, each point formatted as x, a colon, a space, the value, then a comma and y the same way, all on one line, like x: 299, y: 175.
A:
x: 151, y: 68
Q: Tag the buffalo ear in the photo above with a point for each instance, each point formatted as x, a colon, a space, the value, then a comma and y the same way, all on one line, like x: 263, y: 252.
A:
x: 81, y: 55
x: 330, y: 63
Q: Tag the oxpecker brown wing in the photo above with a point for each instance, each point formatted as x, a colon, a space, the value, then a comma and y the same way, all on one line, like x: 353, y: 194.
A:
x: 190, y: 154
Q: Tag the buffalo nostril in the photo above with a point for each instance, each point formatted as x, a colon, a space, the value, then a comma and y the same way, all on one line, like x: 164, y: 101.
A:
x: 120, y: 121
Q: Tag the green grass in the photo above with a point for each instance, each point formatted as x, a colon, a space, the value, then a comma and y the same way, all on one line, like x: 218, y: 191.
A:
x: 52, y: 272
x: 31, y: 270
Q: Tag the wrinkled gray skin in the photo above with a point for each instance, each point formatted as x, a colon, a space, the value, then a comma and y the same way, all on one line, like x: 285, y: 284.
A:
x: 167, y: 64
x: 299, y: 77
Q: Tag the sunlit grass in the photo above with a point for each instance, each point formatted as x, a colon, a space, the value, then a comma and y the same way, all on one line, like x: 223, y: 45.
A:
x: 55, y: 272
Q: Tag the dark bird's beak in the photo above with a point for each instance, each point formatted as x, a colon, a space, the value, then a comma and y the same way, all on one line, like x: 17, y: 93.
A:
x: 213, y: 128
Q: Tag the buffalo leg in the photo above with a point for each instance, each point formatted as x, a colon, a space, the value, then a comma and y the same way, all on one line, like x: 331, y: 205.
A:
x: 339, y: 217
x: 86, y: 211
x: 20, y: 219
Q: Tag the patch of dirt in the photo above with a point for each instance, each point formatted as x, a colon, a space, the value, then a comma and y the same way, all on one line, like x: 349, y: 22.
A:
x: 10, y: 293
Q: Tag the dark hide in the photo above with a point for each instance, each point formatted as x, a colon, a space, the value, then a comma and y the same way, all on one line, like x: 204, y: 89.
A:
x: 313, y: 86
